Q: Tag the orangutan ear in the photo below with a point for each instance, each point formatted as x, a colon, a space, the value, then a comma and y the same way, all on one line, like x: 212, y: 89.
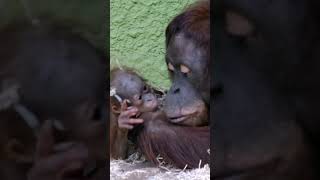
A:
x: 115, y: 109
x: 15, y: 150
x: 238, y: 25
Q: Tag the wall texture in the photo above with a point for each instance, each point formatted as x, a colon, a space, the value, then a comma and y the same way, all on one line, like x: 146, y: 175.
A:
x: 137, y: 35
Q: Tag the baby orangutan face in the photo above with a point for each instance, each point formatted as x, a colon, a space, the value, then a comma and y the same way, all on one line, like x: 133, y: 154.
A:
x: 132, y: 89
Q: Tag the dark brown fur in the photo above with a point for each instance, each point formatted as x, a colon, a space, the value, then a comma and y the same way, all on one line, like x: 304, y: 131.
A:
x: 37, y: 60
x: 177, y: 145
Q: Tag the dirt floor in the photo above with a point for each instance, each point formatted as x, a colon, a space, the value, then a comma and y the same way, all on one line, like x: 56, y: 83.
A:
x: 122, y: 170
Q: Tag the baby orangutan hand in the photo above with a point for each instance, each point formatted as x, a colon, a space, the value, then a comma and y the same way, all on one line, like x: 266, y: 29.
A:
x: 127, y: 118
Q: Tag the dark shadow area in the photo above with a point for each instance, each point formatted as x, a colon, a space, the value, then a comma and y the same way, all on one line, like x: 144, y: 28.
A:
x: 54, y: 59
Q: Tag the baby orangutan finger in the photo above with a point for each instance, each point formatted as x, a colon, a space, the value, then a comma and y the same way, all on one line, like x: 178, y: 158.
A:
x: 129, y: 113
x: 125, y: 126
x: 135, y: 121
x: 124, y: 105
x: 128, y: 123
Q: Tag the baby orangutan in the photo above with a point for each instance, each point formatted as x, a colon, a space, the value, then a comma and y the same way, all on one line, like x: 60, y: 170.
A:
x: 130, y: 98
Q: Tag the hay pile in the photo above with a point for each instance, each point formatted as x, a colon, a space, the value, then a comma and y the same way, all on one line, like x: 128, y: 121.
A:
x: 140, y: 170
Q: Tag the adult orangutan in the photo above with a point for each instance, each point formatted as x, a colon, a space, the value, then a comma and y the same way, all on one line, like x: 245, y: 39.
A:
x: 180, y: 140
x: 266, y: 90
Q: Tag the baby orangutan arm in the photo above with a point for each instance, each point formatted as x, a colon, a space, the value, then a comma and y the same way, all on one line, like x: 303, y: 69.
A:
x: 120, y: 123
x: 64, y: 161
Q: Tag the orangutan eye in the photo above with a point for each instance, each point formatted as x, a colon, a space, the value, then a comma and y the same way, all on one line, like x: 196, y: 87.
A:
x: 145, y: 89
x: 238, y: 25
x: 184, y: 69
x: 170, y: 67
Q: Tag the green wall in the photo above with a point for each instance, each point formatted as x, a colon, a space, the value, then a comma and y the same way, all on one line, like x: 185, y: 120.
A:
x: 137, y: 35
